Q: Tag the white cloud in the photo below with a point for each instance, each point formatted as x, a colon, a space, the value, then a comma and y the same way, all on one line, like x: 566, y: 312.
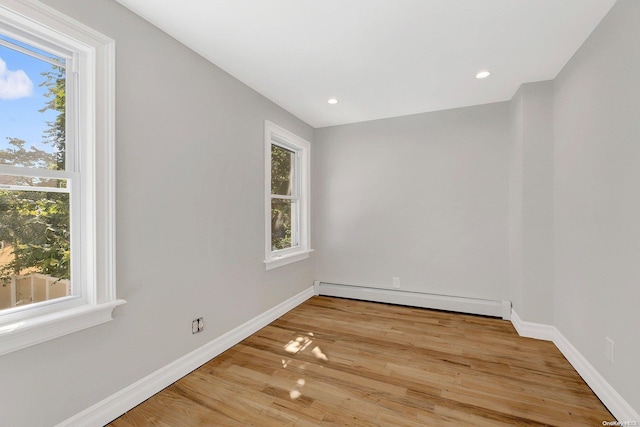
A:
x: 14, y: 84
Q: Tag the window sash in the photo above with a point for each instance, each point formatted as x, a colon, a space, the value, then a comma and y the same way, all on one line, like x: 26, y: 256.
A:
x: 78, y: 286
x: 294, y: 197
x: 295, y: 168
x: 72, y: 93
x: 70, y: 174
x: 295, y: 224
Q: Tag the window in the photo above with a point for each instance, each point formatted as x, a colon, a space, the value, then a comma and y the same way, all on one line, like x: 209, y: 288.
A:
x: 56, y: 176
x: 287, y: 197
x: 37, y: 176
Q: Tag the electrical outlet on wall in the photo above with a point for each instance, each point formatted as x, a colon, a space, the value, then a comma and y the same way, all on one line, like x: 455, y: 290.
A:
x: 608, y: 349
x: 396, y: 283
x: 197, y: 325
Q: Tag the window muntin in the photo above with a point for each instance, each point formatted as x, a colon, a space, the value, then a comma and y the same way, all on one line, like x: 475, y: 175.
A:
x: 287, y: 202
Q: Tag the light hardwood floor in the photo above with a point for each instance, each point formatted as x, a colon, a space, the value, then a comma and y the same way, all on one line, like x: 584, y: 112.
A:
x: 334, y: 361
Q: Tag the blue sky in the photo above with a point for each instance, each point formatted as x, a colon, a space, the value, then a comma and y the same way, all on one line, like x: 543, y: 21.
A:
x: 21, y: 97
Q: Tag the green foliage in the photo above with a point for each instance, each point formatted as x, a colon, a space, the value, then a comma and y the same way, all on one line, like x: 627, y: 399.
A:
x: 280, y: 225
x: 281, y: 184
x: 36, y: 224
x: 16, y: 155
x: 281, y: 170
x: 56, y: 134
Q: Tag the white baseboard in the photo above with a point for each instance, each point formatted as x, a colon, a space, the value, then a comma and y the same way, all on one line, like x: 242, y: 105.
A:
x: 117, y: 404
x: 616, y: 404
x: 538, y: 331
x: 416, y: 299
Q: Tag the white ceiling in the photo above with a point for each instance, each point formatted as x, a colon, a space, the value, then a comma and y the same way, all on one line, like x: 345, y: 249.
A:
x: 379, y: 58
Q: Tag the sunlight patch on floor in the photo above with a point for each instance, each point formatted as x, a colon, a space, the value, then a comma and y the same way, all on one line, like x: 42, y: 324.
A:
x: 296, y: 346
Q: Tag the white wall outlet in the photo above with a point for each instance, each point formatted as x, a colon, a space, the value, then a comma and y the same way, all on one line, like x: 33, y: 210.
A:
x: 608, y: 349
x: 197, y: 325
x: 396, y: 283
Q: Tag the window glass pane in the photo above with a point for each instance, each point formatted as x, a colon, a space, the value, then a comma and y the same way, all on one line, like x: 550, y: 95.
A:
x: 281, y: 219
x: 282, y: 167
x: 32, y: 108
x: 35, y: 250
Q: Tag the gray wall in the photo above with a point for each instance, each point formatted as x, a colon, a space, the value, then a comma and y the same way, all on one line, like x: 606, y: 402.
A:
x: 422, y: 197
x: 596, y: 198
x: 515, y: 202
x: 531, y: 202
x: 190, y: 224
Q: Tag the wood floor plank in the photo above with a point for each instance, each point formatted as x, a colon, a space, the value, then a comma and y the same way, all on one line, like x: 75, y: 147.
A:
x: 334, y: 361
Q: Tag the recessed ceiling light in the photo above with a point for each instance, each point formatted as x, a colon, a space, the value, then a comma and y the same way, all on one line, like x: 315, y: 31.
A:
x: 332, y: 101
x: 483, y: 74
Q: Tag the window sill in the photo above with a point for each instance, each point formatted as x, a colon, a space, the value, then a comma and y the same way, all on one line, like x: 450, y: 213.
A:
x: 28, y: 332
x: 287, y: 259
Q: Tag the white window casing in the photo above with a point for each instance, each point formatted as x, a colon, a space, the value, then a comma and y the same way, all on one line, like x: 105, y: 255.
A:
x: 299, y: 197
x: 90, y: 170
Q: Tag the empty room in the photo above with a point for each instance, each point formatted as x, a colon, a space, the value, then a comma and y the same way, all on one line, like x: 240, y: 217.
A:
x: 319, y: 212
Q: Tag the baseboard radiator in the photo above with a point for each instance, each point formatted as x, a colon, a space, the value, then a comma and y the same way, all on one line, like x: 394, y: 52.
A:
x: 483, y: 307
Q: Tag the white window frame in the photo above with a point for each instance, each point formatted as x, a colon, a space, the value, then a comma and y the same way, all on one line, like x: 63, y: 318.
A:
x: 274, y: 134
x: 92, y: 126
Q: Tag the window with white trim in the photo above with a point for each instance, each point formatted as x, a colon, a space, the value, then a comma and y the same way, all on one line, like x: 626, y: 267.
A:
x: 287, y: 237
x: 57, y: 217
